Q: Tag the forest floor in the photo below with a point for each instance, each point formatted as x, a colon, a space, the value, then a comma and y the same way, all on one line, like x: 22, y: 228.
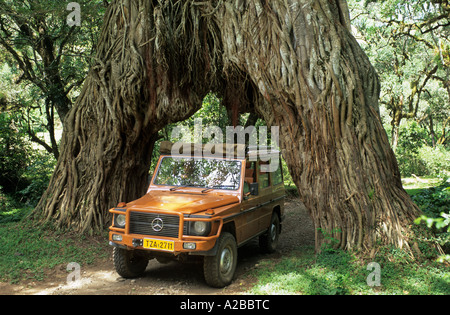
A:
x: 100, y: 278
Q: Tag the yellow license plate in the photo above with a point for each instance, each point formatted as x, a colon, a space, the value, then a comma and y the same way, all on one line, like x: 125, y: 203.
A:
x: 159, y: 245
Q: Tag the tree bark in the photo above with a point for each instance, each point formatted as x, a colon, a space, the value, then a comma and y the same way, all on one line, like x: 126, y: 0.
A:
x: 319, y: 86
x: 132, y: 91
x: 397, y: 116
x: 293, y: 62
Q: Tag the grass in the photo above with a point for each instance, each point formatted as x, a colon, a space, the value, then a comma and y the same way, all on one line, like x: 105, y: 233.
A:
x: 335, y: 272
x: 341, y: 273
x: 27, y: 251
x: 415, y: 186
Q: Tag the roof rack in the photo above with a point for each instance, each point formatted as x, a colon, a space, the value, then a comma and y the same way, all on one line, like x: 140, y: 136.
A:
x: 211, y: 149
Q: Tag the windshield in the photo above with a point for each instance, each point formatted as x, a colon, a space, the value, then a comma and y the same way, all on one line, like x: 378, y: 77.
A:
x: 204, y: 173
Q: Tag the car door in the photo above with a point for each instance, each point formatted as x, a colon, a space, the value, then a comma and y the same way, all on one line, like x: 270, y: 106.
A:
x: 265, y: 206
x: 248, y: 221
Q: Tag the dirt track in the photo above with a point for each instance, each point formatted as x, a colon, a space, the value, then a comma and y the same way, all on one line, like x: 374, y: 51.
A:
x: 173, y: 278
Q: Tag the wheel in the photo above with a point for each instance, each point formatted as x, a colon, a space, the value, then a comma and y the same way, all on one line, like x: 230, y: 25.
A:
x: 219, y: 269
x: 128, y: 264
x: 268, y: 242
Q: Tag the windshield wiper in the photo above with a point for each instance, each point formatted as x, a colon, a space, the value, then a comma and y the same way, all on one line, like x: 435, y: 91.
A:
x: 224, y: 186
x: 184, y: 186
x: 218, y: 187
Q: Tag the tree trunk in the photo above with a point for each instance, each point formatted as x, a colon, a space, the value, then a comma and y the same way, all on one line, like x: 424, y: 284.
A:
x: 294, y: 63
x: 397, y: 113
x: 132, y: 91
x: 319, y: 86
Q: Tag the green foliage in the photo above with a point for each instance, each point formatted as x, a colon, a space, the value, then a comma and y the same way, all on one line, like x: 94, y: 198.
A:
x: 37, y: 174
x: 24, y: 171
x: 212, y: 113
x: 435, y: 160
x: 14, y: 155
x: 47, y: 18
x: 416, y: 156
x: 411, y: 137
x: 410, y: 140
x: 44, y: 61
x: 330, y: 242
x: 10, y: 209
x: 435, y: 204
x: 440, y: 223
x: 407, y: 42
x: 289, y: 185
x: 435, y: 200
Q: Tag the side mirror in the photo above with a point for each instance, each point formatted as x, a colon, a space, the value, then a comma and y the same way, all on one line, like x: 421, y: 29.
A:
x: 254, y: 189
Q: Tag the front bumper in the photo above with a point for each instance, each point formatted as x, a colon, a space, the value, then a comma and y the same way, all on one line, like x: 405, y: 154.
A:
x: 190, y: 244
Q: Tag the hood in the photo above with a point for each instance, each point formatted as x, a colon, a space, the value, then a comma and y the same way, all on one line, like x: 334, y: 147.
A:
x: 182, y: 201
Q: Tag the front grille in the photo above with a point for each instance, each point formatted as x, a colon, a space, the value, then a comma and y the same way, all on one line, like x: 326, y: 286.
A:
x: 141, y: 223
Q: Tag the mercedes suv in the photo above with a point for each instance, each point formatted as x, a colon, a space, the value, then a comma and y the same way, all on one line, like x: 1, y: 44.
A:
x: 201, y: 204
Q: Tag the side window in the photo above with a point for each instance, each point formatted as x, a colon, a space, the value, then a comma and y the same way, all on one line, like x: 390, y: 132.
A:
x: 250, y: 175
x: 263, y: 178
x: 277, y: 176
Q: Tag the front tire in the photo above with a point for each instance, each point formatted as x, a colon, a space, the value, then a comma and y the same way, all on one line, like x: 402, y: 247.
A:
x: 128, y: 264
x: 219, y: 269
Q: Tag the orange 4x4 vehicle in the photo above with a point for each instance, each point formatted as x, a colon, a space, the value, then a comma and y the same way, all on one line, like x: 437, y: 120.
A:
x: 207, y: 206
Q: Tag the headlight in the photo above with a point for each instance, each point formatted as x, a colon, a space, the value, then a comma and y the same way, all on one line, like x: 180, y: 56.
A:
x: 200, y: 228
x: 120, y: 220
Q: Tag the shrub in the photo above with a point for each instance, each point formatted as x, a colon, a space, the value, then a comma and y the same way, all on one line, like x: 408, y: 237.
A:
x: 24, y: 171
x: 435, y: 204
x: 415, y: 155
x: 436, y: 160
x: 11, y: 210
x: 433, y: 201
x: 411, y: 139
x: 13, y: 155
x: 37, y: 174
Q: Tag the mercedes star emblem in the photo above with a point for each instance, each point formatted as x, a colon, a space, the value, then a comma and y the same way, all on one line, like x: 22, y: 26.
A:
x: 157, y: 224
